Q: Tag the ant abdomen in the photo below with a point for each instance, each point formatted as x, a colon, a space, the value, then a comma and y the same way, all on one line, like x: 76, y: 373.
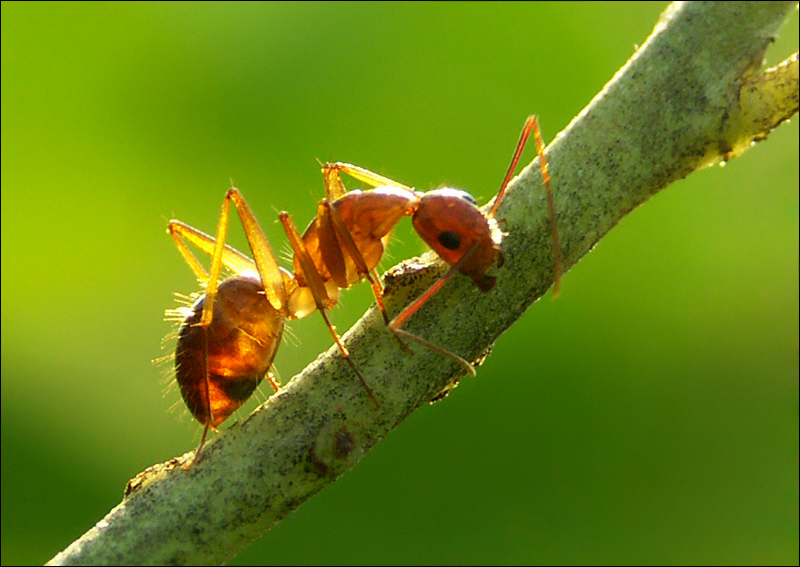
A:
x: 235, y: 351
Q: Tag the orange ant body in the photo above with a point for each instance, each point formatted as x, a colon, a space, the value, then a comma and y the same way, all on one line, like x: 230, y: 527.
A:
x: 227, y: 343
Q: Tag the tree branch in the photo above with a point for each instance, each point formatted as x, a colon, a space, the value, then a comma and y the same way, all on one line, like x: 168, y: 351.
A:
x: 693, y: 94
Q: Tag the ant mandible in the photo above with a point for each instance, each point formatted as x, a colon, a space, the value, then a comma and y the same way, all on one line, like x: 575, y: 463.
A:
x: 228, y: 341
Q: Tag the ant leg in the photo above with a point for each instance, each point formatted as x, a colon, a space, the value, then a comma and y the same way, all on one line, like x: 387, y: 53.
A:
x: 404, y: 315
x: 207, y: 395
x: 557, y: 268
x: 329, y: 215
x: 272, y: 277
x: 378, y: 281
x: 334, y: 189
x: 231, y: 258
x: 532, y: 125
x: 265, y: 263
x: 318, y: 292
x: 211, y: 281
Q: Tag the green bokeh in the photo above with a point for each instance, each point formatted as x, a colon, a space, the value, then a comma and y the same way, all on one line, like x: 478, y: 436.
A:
x: 649, y: 415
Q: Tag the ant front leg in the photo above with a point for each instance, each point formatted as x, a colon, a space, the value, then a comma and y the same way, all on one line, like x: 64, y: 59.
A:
x: 557, y: 265
x: 396, y: 323
x: 532, y: 125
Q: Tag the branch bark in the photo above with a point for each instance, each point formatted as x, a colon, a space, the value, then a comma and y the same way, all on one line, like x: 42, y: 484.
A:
x: 693, y: 94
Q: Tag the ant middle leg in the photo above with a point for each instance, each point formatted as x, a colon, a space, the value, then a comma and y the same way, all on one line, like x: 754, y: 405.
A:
x: 330, y: 216
x: 319, y: 292
x: 334, y: 189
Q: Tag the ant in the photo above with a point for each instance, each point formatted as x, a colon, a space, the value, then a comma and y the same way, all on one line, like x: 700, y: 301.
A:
x: 227, y: 343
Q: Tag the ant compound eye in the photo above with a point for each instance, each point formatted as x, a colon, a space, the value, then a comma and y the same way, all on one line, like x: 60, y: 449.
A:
x: 449, y: 240
x: 468, y: 198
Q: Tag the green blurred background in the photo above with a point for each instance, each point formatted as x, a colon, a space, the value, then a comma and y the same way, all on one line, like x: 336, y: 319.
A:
x: 649, y: 415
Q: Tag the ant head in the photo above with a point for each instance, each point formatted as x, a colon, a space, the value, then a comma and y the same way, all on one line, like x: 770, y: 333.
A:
x: 449, y: 221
